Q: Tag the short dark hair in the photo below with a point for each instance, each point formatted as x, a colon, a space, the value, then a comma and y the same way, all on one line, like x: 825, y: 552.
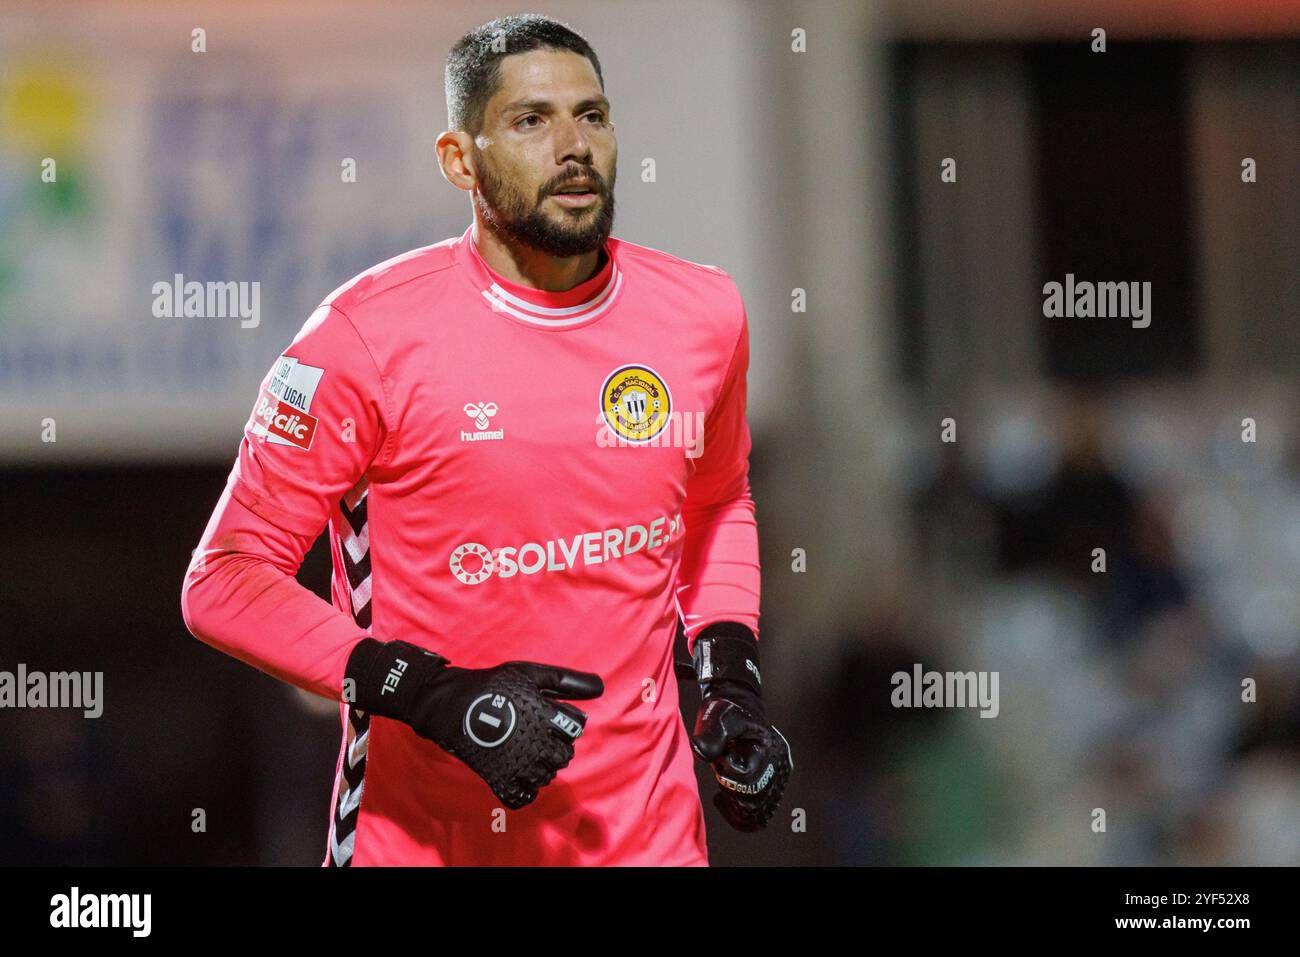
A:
x: 474, y: 64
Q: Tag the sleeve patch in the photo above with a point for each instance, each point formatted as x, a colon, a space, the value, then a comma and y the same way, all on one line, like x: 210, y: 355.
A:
x: 282, y: 413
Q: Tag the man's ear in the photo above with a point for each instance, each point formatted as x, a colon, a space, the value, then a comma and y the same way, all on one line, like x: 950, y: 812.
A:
x: 456, y: 159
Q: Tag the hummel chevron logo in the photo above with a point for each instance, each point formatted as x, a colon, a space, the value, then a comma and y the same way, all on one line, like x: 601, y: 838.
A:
x: 481, y: 413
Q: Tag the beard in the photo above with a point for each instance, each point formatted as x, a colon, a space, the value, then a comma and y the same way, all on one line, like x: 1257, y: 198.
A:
x: 577, y: 231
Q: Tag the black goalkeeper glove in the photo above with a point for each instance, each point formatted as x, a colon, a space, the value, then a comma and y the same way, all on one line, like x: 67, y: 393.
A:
x: 504, y: 722
x: 750, y: 757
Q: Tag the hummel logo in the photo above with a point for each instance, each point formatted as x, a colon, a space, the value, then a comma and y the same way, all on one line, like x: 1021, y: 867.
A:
x: 481, y: 412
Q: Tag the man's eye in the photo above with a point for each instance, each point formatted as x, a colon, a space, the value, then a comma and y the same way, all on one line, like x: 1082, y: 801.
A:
x: 530, y: 116
x: 599, y: 116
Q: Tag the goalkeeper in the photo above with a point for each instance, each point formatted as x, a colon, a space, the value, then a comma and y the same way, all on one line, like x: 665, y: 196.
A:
x: 529, y: 447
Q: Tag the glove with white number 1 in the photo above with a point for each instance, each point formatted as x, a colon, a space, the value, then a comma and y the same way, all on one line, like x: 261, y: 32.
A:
x: 750, y: 757
x: 507, y: 722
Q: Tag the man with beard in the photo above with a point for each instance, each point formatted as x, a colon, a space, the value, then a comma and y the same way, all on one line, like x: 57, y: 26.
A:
x: 529, y: 444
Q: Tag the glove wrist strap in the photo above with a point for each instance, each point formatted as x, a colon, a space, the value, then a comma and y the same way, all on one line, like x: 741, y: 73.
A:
x: 387, y: 677
x: 727, y: 651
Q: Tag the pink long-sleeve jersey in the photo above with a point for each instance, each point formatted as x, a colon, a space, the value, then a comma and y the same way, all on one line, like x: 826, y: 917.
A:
x: 506, y: 474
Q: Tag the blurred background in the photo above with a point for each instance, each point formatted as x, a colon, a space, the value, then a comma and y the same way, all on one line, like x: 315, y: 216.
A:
x: 799, y: 146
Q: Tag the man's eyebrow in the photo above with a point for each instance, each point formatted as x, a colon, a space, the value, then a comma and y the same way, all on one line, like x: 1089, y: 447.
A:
x: 545, y: 106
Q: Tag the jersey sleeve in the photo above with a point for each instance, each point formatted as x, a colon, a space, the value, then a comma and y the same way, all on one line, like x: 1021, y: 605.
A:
x: 319, y: 423
x: 719, y: 575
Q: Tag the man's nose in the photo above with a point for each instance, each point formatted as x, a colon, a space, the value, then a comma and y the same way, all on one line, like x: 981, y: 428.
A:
x: 572, y: 142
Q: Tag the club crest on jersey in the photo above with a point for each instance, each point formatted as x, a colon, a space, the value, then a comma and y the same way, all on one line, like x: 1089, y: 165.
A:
x: 281, y: 415
x: 636, y: 403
